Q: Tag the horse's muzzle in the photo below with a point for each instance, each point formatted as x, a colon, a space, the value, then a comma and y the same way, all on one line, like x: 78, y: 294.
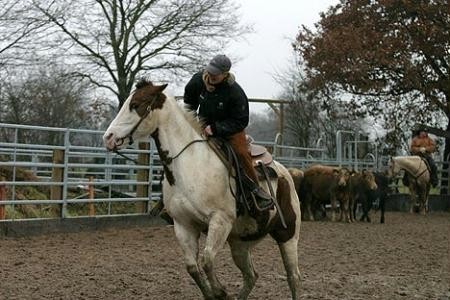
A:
x: 111, y: 142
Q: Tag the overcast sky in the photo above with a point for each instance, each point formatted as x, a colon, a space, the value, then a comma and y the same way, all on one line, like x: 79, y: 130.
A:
x: 268, y: 50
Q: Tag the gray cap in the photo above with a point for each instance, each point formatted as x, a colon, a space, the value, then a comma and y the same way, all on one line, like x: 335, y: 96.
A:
x: 219, y: 64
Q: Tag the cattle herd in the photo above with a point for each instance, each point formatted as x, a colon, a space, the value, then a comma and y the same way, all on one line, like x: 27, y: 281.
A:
x: 354, y: 192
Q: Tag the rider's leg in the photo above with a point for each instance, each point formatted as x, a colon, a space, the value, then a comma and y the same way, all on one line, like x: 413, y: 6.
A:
x: 433, y: 177
x: 239, y: 143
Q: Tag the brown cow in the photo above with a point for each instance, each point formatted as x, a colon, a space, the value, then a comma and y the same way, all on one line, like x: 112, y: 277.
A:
x: 361, y: 184
x: 297, y: 176
x: 320, y: 185
x: 343, y: 195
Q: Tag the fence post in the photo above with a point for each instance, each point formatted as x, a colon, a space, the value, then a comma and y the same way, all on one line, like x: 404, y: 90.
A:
x: 91, y: 207
x: 2, y: 198
x: 143, y: 176
x: 56, y: 191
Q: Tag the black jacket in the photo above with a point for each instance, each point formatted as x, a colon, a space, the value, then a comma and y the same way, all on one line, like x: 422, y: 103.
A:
x: 225, y: 109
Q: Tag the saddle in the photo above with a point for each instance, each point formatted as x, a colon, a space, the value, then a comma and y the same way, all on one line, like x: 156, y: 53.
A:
x: 260, y: 157
x: 405, y: 179
x: 259, y: 153
x: 261, y: 161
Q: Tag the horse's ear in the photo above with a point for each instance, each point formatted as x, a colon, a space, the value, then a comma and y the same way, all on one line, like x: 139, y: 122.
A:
x: 162, y: 87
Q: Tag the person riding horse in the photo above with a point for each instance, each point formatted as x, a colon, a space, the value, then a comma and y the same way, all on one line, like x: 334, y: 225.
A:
x: 422, y: 145
x: 223, y: 107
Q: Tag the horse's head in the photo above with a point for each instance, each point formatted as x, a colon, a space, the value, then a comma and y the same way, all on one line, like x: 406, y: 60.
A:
x: 393, y: 168
x: 138, y: 117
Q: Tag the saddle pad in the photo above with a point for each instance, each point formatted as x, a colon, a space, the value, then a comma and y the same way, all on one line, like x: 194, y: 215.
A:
x: 270, y: 172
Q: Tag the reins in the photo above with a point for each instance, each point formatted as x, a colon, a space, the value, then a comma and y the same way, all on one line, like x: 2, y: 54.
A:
x: 125, y: 156
x: 169, y: 159
x: 418, y: 169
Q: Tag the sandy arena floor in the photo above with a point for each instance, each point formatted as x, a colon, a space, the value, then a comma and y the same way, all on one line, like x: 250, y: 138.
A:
x: 406, y: 258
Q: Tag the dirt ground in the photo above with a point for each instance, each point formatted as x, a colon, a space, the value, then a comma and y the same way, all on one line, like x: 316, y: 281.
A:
x: 406, y: 258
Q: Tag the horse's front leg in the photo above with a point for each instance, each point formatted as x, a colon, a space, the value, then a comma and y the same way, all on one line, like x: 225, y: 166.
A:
x: 423, y: 200
x: 413, y: 197
x: 188, y: 239
x: 219, y: 228
x: 240, y: 252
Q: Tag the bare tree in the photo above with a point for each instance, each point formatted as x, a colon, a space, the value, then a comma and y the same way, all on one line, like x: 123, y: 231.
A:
x: 263, y: 126
x: 17, y: 27
x: 111, y: 42
x: 49, y: 97
x: 303, y: 113
x: 309, y: 116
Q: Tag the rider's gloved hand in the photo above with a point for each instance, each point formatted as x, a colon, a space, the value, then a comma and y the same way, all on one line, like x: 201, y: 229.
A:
x: 207, y: 131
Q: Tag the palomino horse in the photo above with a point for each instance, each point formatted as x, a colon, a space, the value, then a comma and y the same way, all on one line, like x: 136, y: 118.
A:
x: 198, y: 193
x: 418, y: 179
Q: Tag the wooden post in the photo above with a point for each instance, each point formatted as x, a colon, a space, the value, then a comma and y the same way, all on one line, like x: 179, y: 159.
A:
x: 91, y: 207
x: 2, y: 198
x: 281, y: 126
x: 143, y: 176
x: 56, y: 191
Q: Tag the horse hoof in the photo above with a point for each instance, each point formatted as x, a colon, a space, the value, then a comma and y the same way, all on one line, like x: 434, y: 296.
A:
x: 221, y: 295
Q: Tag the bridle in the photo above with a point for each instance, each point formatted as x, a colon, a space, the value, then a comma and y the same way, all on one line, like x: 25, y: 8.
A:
x: 168, y: 159
x: 130, y: 136
x: 135, y: 127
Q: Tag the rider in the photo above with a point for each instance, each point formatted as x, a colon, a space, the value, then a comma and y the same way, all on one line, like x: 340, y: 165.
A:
x: 424, y: 146
x: 223, y: 106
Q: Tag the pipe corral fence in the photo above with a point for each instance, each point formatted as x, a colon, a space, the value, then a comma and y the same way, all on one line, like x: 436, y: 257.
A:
x: 69, y: 174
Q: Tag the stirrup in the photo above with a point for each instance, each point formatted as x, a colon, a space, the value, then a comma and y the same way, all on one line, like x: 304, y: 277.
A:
x: 261, y: 194
x: 261, y: 203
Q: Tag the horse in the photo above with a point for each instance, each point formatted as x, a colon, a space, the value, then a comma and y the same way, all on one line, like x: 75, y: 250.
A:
x: 418, y: 179
x: 199, y: 193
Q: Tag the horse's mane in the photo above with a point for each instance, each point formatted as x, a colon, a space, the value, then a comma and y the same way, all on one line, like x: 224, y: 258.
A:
x: 191, y: 118
x: 189, y: 115
x: 142, y: 82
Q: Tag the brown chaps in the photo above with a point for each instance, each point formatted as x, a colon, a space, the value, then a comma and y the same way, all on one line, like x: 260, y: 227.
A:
x: 238, y: 142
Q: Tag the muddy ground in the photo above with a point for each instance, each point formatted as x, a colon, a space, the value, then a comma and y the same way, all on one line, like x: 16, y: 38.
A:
x: 406, y: 258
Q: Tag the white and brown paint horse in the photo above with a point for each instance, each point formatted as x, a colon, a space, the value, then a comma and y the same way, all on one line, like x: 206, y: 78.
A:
x: 197, y: 192
x: 418, y: 179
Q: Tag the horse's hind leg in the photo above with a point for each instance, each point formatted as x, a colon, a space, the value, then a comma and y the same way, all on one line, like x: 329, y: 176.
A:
x: 289, y: 254
x: 218, y: 230
x: 188, y: 240
x: 242, y: 258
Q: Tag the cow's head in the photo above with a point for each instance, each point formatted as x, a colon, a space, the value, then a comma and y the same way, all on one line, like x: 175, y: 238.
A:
x: 369, y: 179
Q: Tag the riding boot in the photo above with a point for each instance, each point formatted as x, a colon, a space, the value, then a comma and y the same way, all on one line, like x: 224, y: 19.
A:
x: 405, y: 179
x: 263, y: 199
x: 238, y: 142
